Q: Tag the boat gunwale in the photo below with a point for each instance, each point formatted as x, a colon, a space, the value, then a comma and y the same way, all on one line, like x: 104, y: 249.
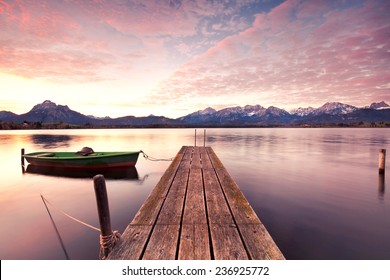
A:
x: 75, y: 156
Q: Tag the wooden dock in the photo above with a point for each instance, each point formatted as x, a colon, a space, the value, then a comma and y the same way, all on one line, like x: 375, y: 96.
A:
x: 196, y: 212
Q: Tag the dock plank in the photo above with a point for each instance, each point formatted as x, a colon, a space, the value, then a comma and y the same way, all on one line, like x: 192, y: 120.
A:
x: 194, y: 242
x: 259, y: 242
x: 194, y: 210
x: 163, y: 243
x: 217, y: 208
x: 132, y: 243
x: 149, y: 210
x: 227, y: 244
x: 195, y: 159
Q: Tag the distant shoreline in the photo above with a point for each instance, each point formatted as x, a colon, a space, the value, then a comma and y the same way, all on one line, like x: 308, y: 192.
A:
x: 61, y: 125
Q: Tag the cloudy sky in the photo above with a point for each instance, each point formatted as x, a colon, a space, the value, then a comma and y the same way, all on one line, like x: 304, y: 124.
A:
x: 173, y: 57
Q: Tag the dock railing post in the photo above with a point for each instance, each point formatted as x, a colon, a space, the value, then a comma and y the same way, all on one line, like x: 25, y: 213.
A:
x: 107, y: 237
x: 382, y: 161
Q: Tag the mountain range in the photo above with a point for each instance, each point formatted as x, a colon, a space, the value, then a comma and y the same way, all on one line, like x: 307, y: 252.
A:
x: 250, y: 115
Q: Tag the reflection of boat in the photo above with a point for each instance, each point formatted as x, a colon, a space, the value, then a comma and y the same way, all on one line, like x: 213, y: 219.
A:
x: 82, y: 160
x: 51, y: 141
x: 108, y: 173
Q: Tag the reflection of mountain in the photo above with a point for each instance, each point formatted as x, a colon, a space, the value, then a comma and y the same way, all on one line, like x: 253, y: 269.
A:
x: 109, y: 173
x: 51, y: 141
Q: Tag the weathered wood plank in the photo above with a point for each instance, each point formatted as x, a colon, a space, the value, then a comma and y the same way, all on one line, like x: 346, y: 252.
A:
x: 239, y: 206
x: 148, y: 212
x: 195, y: 161
x: 206, y: 163
x: 164, y: 238
x: 217, y: 208
x: 194, y: 209
x: 163, y: 243
x: 172, y: 209
x: 225, y: 237
x: 188, y: 153
x: 194, y: 239
x: 259, y: 242
x: 194, y: 242
x: 227, y: 244
x: 132, y: 243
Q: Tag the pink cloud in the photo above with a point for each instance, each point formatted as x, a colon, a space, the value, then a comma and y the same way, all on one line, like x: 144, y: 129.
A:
x: 52, y: 65
x: 121, y: 33
x: 313, y: 52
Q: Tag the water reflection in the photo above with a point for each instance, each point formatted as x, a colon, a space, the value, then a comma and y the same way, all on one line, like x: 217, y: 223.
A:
x: 51, y: 141
x: 129, y: 173
x: 247, y: 139
x: 381, y: 186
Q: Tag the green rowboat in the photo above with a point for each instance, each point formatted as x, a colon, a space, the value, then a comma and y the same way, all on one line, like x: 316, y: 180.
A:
x: 77, y: 160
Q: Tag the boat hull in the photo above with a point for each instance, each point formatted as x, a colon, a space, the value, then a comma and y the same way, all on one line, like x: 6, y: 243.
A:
x: 73, y: 160
x: 128, y: 173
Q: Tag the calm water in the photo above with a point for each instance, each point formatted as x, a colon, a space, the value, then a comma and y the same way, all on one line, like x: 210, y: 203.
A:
x: 317, y: 191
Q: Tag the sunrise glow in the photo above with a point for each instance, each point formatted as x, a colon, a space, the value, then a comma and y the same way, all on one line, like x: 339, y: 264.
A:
x: 118, y: 58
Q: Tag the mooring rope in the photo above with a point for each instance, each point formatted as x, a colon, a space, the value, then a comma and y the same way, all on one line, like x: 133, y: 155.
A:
x: 106, y: 242
x: 69, y: 216
x: 155, y: 159
x: 56, y: 229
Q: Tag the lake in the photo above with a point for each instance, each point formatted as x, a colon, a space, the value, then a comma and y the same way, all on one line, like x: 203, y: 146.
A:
x: 317, y: 190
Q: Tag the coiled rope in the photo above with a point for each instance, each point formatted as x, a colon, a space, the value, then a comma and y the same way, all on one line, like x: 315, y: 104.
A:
x: 154, y: 159
x: 106, y: 242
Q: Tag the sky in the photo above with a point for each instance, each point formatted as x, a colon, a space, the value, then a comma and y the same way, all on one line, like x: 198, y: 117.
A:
x: 173, y: 57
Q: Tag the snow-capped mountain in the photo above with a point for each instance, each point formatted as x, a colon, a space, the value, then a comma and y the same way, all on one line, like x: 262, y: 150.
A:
x: 198, y: 116
x: 335, y: 108
x: 302, y: 111
x: 236, y: 115
x: 330, y: 112
x: 330, y: 108
x: 379, y: 105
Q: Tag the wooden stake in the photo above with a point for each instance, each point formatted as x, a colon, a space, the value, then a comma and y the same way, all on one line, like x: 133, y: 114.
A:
x: 381, y: 184
x: 382, y: 161
x: 102, y: 206
x: 195, y: 138
x: 204, y: 138
x: 22, y: 156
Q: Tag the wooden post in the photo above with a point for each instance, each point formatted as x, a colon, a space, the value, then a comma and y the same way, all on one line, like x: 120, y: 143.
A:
x: 204, y: 138
x: 195, y: 138
x: 381, y: 184
x: 382, y: 161
x: 22, y: 156
x: 103, y: 208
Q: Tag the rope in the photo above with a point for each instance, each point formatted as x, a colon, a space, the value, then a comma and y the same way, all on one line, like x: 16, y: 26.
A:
x: 69, y: 216
x: 56, y: 229
x: 155, y: 159
x: 107, y: 243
